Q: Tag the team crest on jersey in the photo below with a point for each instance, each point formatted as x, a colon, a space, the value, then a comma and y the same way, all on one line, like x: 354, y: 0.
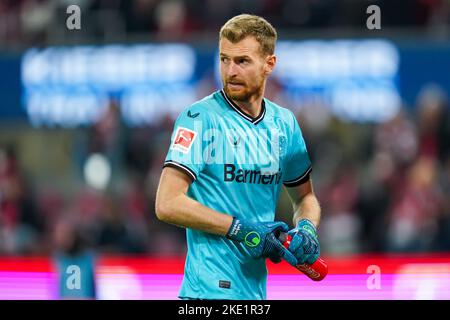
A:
x: 184, y: 139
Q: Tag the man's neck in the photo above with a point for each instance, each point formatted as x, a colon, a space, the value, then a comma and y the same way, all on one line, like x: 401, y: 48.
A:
x: 253, y: 106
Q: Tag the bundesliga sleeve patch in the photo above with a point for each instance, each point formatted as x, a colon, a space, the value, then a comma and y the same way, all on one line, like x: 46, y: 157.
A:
x: 184, y: 138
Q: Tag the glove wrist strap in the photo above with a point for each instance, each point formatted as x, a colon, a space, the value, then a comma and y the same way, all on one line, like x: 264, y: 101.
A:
x: 236, y: 230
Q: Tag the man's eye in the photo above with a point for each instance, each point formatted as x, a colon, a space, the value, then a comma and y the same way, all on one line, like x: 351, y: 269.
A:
x: 242, y: 61
x: 223, y: 59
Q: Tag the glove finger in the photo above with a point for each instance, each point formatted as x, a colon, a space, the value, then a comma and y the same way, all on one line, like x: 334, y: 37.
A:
x: 276, y: 249
x: 286, y: 254
x: 272, y: 249
x: 296, y: 243
x: 309, y: 247
x: 279, y: 226
x: 289, y: 257
x: 316, y: 249
x: 297, y: 247
x: 302, y: 259
x: 292, y: 232
x: 307, y: 244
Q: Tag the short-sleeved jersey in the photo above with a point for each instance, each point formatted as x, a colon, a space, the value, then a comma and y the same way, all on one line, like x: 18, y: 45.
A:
x: 238, y: 165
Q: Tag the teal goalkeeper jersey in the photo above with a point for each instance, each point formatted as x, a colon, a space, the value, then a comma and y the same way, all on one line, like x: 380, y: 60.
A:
x: 238, y: 165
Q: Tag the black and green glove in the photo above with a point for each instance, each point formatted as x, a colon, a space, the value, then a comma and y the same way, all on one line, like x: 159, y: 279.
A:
x: 261, y: 239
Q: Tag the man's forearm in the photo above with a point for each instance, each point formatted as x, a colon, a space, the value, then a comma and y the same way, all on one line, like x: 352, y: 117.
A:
x: 308, y: 208
x: 186, y: 212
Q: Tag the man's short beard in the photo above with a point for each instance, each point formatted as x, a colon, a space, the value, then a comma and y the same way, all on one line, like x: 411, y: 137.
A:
x: 245, y: 95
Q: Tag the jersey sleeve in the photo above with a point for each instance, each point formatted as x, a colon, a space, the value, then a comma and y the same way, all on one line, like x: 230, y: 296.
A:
x: 186, y: 145
x: 298, y: 164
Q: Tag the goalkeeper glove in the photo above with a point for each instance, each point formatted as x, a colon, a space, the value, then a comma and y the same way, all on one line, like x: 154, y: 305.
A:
x: 260, y: 238
x: 304, y: 244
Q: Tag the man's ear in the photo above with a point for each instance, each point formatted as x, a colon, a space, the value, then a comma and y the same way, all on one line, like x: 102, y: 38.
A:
x: 271, y: 60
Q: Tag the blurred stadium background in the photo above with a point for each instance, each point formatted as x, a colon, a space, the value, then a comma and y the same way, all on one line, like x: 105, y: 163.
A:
x: 86, y: 117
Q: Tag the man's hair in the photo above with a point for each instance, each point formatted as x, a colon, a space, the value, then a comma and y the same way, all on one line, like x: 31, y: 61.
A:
x: 244, y: 25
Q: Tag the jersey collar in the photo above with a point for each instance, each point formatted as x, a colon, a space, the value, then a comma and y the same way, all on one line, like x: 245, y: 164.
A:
x: 241, y: 112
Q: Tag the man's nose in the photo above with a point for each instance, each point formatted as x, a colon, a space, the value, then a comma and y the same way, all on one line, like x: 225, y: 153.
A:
x: 232, y: 69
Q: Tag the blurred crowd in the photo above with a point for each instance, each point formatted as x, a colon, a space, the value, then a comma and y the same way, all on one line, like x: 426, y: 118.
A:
x: 383, y: 187
x: 34, y: 22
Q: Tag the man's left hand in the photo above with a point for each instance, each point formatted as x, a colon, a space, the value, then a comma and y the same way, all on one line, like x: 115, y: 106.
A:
x: 305, y: 243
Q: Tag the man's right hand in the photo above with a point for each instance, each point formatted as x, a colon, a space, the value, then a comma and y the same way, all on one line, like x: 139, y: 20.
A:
x: 261, y: 239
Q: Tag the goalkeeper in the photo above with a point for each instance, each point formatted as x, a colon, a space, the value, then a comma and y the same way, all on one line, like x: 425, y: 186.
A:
x: 229, y: 157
